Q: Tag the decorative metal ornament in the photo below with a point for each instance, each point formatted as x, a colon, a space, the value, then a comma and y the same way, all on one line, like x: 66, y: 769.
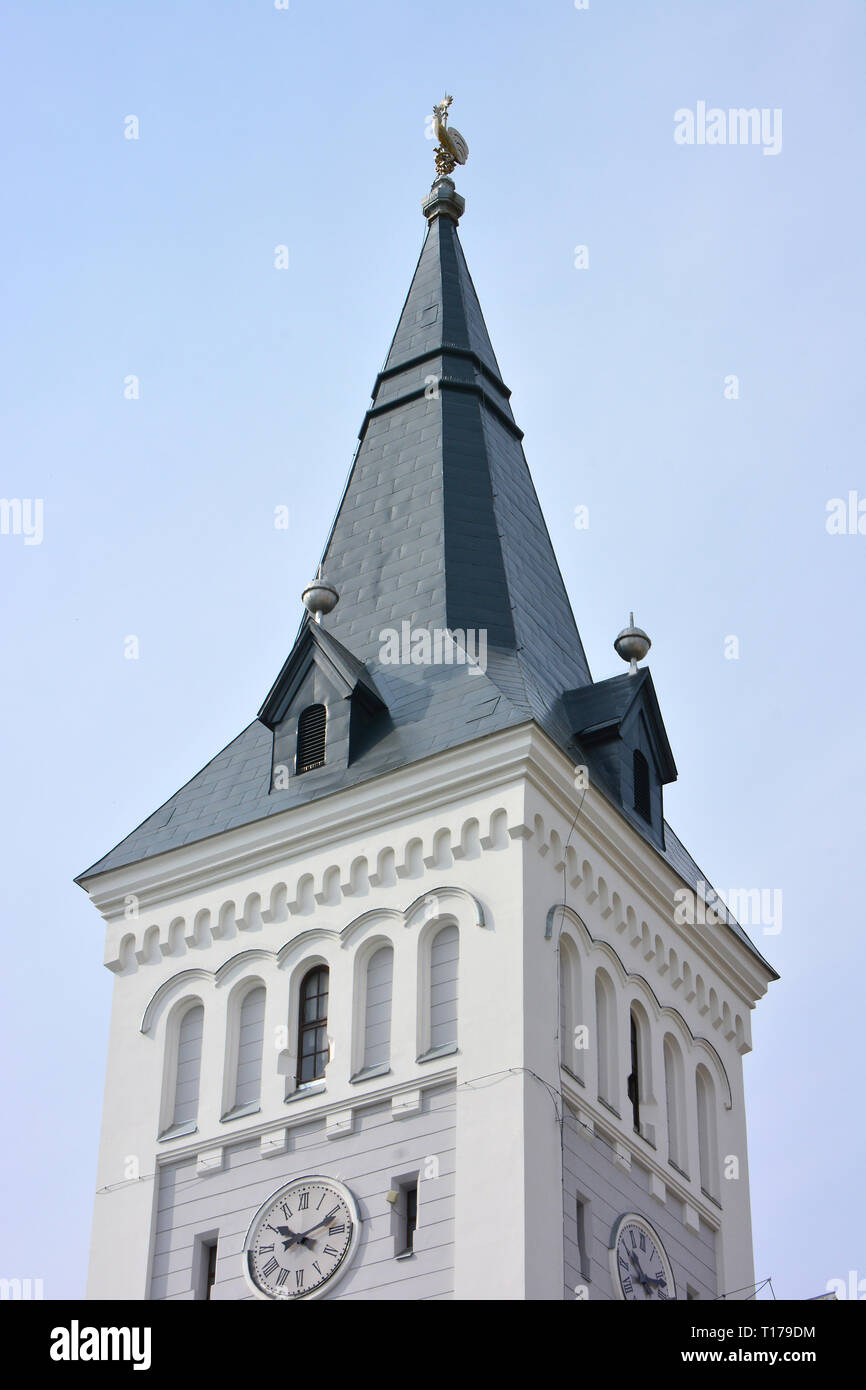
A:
x: 452, y: 149
x: 320, y: 597
x: 632, y: 644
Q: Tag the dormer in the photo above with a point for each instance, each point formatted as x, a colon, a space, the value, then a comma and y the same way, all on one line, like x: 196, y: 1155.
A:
x: 324, y: 709
x: 618, y: 725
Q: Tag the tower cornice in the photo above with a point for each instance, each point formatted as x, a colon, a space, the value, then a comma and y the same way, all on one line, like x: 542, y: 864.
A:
x: 522, y: 754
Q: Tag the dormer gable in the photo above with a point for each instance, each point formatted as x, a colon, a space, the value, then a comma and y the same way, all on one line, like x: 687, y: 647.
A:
x: 323, y: 709
x: 619, y: 726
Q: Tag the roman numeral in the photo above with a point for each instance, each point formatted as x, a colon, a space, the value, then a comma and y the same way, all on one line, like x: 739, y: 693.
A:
x: 263, y: 1249
x: 316, y: 1266
x: 282, y: 1277
x: 633, y: 1241
x: 627, y: 1285
x: 329, y: 1250
x: 285, y: 1210
x: 329, y: 1216
x: 299, y: 1278
x: 304, y: 1201
x: 269, y: 1268
x: 337, y: 1230
x: 324, y: 1195
x: 642, y: 1241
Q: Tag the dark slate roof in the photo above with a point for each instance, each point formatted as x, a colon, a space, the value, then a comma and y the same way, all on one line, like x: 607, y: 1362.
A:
x: 595, y: 709
x: 439, y: 527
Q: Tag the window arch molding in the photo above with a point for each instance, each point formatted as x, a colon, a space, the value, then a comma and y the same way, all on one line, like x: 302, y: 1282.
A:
x: 173, y: 992
x: 238, y: 997
x: 378, y: 941
x: 179, y: 1010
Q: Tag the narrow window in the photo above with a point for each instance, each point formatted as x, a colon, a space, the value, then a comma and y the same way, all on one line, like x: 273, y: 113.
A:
x: 313, y: 1025
x: 707, y: 1140
x: 204, y: 1267
x: 444, y: 955
x: 411, y: 1217
x: 250, y: 1039
x: 569, y: 989
x: 642, y: 801
x: 634, y: 1076
x: 675, y: 1100
x: 404, y: 1219
x: 605, y: 1026
x: 311, y: 738
x: 377, y: 1021
x: 583, y: 1238
x: 188, y: 1066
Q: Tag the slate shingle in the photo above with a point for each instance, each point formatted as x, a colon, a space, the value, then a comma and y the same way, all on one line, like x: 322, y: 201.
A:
x: 439, y: 526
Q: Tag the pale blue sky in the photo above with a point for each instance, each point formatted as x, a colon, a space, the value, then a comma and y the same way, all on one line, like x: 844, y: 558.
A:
x: 707, y: 516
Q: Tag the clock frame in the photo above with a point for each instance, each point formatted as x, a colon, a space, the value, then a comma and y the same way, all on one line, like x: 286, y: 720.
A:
x: 641, y: 1224
x: 284, y: 1195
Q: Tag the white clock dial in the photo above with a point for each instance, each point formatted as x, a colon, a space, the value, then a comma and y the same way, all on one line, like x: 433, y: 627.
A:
x: 302, y: 1240
x: 640, y: 1267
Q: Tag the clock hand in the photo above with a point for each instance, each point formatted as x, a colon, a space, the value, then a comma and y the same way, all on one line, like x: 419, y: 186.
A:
x: 641, y: 1275
x: 319, y: 1224
x: 293, y: 1238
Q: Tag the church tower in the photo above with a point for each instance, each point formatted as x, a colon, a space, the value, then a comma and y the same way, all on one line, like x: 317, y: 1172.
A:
x: 417, y: 995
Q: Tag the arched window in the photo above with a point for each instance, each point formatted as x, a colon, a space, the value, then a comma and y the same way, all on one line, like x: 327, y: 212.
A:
x: 188, y: 1069
x: 377, y: 1015
x: 642, y: 800
x: 572, y: 1047
x: 675, y: 1102
x: 444, y: 960
x: 313, y: 1025
x: 251, y: 1032
x: 708, y: 1146
x: 605, y: 1028
x: 633, y: 1088
x: 311, y: 738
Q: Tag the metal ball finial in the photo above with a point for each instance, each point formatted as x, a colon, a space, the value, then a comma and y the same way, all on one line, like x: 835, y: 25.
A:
x: 632, y: 644
x: 320, y: 597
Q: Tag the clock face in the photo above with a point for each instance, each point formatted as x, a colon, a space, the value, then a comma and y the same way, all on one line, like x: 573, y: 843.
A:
x: 640, y: 1267
x: 302, y: 1240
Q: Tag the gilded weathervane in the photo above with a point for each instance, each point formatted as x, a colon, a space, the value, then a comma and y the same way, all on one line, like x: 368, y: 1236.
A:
x: 452, y: 148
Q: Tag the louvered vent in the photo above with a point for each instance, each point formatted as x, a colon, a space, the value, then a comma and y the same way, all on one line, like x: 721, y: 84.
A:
x: 642, y: 801
x: 311, y: 739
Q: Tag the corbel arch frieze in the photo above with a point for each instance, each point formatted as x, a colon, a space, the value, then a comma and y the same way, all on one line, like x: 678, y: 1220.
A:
x: 601, y: 953
x: 152, y: 943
